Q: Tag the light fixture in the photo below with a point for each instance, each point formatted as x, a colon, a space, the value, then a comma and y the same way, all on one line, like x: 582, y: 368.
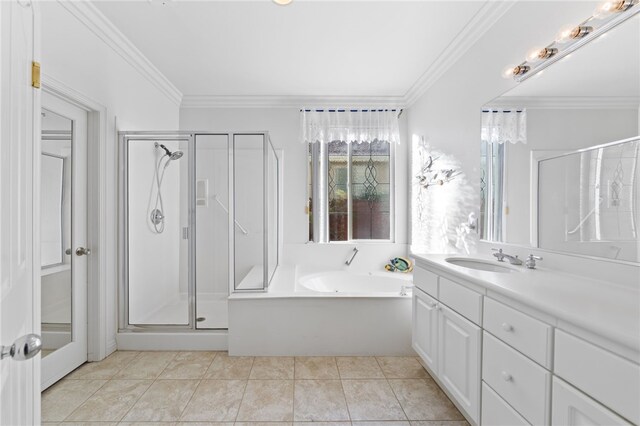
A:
x: 609, y: 14
x: 610, y: 7
x: 539, y: 54
x: 282, y: 2
x: 566, y: 34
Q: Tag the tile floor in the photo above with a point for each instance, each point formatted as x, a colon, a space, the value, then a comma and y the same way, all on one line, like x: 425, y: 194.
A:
x: 202, y: 388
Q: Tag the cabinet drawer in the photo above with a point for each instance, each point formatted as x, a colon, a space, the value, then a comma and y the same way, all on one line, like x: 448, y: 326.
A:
x: 466, y: 302
x: 528, y: 335
x: 608, y: 378
x: 496, y: 412
x: 573, y: 408
x: 426, y: 281
x: 518, y: 380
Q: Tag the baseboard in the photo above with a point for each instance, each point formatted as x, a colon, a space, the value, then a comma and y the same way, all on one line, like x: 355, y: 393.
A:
x: 191, y: 341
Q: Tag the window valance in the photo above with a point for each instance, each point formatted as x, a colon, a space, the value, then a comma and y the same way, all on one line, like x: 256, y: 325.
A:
x: 361, y: 126
x: 500, y: 126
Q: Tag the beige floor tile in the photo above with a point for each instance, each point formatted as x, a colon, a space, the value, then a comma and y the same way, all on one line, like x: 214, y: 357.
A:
x: 105, y: 369
x: 87, y: 424
x: 316, y: 367
x: 188, y: 365
x: 205, y: 424
x: 422, y: 399
x: 226, y: 367
x: 440, y: 423
x: 319, y: 400
x: 400, y: 367
x: 148, y: 424
x: 371, y: 400
x: 359, y: 367
x: 388, y: 423
x: 267, y: 400
x: 111, y: 402
x: 65, y: 396
x: 272, y: 367
x: 148, y: 365
x: 163, y: 401
x: 215, y: 400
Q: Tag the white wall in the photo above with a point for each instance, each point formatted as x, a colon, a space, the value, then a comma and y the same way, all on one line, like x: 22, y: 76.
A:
x: 75, y: 56
x: 448, y: 115
x: 283, y: 126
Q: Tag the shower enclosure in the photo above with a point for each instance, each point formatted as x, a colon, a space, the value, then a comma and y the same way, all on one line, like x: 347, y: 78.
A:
x: 198, y: 219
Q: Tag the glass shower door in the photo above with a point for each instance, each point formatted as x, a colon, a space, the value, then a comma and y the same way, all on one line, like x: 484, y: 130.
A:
x: 212, y: 230
x: 157, y: 238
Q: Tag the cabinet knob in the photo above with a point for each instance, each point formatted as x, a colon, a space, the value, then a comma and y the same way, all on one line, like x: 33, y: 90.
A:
x: 507, y: 327
x: 506, y: 376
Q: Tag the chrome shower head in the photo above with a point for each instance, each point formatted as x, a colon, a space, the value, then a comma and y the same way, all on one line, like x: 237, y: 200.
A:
x: 176, y: 155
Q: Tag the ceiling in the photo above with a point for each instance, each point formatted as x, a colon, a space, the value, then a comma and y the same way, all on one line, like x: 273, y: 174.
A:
x: 309, y: 48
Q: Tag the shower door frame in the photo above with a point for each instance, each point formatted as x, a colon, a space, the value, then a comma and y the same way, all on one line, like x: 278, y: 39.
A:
x: 123, y: 209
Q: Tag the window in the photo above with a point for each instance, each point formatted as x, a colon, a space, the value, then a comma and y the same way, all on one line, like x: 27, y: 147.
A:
x: 492, y: 157
x: 350, y: 191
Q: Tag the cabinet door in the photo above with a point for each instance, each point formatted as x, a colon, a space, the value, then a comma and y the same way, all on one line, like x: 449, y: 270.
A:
x: 425, y: 328
x: 571, y: 407
x: 459, y: 359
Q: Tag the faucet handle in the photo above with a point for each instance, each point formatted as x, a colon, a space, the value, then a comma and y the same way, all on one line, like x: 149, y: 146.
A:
x: 531, y: 261
x: 499, y: 254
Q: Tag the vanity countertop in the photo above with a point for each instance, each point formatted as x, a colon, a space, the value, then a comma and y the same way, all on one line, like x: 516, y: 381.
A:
x: 608, y: 309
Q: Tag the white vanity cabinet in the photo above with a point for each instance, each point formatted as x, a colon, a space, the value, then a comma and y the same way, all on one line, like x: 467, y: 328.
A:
x: 449, y: 345
x: 503, y: 362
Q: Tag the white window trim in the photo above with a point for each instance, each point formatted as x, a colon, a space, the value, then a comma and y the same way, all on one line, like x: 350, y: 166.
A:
x: 319, y: 157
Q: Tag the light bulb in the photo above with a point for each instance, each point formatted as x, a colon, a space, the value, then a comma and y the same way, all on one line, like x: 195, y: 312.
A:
x: 610, y: 7
x: 538, y: 54
x: 572, y: 32
x: 282, y: 2
x: 508, y: 71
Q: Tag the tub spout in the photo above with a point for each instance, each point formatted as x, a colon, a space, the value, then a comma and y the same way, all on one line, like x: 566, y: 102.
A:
x: 353, y: 255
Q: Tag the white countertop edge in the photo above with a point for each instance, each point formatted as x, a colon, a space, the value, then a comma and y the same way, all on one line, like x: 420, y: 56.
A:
x: 484, y: 279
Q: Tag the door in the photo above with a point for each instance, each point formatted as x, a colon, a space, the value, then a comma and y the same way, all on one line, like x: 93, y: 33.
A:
x: 459, y: 359
x: 425, y: 328
x: 63, y: 230
x: 19, y: 104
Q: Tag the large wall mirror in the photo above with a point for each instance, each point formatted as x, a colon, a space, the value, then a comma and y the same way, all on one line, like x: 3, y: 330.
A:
x: 560, y: 158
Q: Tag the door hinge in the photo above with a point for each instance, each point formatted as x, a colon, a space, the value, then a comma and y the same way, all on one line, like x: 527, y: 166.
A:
x: 35, y: 74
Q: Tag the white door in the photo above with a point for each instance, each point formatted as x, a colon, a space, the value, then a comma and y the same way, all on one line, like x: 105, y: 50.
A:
x: 19, y: 316
x: 459, y: 359
x: 425, y: 328
x: 64, y: 248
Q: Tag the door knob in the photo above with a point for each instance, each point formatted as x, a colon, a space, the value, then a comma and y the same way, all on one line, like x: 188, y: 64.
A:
x: 81, y: 251
x: 23, y: 348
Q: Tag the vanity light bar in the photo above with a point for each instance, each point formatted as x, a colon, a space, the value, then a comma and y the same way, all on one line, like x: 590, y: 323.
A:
x: 606, y: 16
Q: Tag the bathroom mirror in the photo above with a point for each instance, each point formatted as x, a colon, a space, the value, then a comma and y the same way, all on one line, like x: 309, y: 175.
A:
x: 55, y: 230
x: 552, y: 152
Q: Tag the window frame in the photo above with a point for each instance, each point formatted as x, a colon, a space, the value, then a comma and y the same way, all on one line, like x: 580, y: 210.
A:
x: 318, y: 161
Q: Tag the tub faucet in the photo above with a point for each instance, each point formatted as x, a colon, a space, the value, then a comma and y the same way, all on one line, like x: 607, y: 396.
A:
x: 353, y: 255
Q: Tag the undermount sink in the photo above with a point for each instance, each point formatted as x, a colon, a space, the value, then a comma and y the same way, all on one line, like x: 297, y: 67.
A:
x: 478, y: 264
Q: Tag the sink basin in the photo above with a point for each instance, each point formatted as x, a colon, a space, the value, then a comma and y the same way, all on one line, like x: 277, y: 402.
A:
x: 478, y: 264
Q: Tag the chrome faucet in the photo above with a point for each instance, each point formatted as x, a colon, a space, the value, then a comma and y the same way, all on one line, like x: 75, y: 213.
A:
x: 353, y: 255
x: 531, y: 261
x: 514, y: 260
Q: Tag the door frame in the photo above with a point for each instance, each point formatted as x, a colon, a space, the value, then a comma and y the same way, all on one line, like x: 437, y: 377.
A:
x: 98, y: 345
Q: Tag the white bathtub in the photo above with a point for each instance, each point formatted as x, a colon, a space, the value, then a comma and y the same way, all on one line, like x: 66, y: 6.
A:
x: 350, y: 284
x: 311, y: 312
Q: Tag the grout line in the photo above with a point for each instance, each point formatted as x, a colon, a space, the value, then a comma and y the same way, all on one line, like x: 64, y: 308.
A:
x: 244, y: 392
x: 189, y: 401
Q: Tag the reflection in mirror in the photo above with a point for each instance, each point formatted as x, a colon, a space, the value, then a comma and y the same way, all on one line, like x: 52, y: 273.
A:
x: 56, y: 230
x: 587, y: 99
x: 590, y: 202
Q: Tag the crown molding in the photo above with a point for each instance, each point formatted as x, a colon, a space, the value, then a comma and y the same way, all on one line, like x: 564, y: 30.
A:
x: 272, y: 101
x: 481, y: 22
x: 101, y: 26
x: 567, y: 102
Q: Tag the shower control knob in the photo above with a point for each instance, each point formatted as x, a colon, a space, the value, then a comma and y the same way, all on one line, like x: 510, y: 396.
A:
x: 81, y: 251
